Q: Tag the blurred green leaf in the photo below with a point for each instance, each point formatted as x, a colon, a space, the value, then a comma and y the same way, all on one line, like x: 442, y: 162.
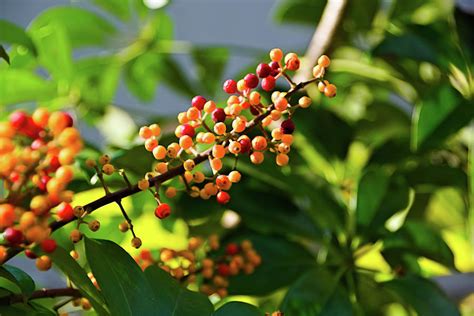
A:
x: 371, y: 295
x: 13, y: 34
x: 122, y: 282
x: 317, y: 292
x: 423, y: 295
x: 119, y: 8
x: 282, y: 259
x: 9, y: 284
x: 439, y: 117
x: 142, y: 75
x: 80, y: 26
x: 4, y: 54
x: 420, y: 239
x: 174, y: 299
x: 24, y: 281
x: 78, y: 277
x: 17, y: 86
x: 135, y: 160
x: 300, y: 11
x: 210, y: 63
x: 172, y: 75
x: 237, y: 309
x: 435, y: 176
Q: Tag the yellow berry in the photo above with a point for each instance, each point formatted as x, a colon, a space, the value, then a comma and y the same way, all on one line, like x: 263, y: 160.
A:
x: 304, y: 102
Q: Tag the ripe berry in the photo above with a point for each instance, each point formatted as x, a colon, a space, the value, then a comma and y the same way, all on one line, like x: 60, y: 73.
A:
x: 162, y: 211
x: 223, y: 197
x: 318, y: 71
x: 37, y: 144
x: 230, y: 86
x: 276, y: 54
x: 218, y: 115
x: 18, y: 119
x: 282, y: 159
x: 304, y: 102
x: 94, y: 225
x: 259, y: 143
x: 187, y: 129
x: 330, y: 90
x: 293, y: 63
x: 223, y: 269
x: 143, y: 184
x: 268, y: 83
x: 136, y: 242
x: 275, y: 68
x: 245, y: 144
x: 232, y: 249
x: 223, y: 182
x: 145, y: 132
x: 257, y: 157
x: 189, y: 165
x: 30, y: 254
x: 251, y: 81
x: 198, y: 102
x: 324, y: 61
x: 13, y: 236
x: 75, y: 235
x: 234, y: 176
x: 48, y: 245
x: 43, y: 263
x: 263, y: 70
x: 7, y: 215
x: 65, y: 211
x: 287, y: 126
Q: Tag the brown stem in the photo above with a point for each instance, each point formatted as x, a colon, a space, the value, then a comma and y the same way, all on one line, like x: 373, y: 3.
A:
x: 43, y: 293
x: 115, y: 197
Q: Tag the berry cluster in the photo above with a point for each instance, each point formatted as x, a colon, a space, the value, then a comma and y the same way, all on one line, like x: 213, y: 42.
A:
x: 204, y: 263
x: 213, y: 132
x: 37, y: 152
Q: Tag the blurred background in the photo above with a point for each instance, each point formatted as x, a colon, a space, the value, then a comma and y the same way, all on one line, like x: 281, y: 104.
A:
x: 382, y: 173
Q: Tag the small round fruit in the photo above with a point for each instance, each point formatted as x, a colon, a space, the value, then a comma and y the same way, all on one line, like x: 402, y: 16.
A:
x: 162, y: 211
x: 263, y: 70
x: 282, y: 159
x: 136, y: 242
x: 330, y: 90
x: 304, y: 102
x: 259, y: 143
x: 198, y: 102
x: 223, y: 197
x: 94, y: 225
x: 324, y: 61
x: 43, y: 263
x: 13, y: 236
x: 223, y: 269
x: 251, y: 81
x: 187, y: 129
x: 48, y: 245
x: 276, y: 54
x: 75, y: 235
x: 232, y: 249
x: 268, y: 83
x: 230, y: 86
x: 287, y: 126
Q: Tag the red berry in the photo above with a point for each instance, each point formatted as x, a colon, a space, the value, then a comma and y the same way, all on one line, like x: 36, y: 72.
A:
x: 275, y: 68
x: 145, y: 254
x: 18, y: 119
x: 48, y: 245
x: 251, y: 81
x: 54, y: 164
x: 245, y: 145
x: 13, y: 236
x: 69, y: 119
x: 263, y: 70
x: 230, y: 86
x: 223, y: 269
x: 268, y: 83
x: 232, y: 249
x: 30, y: 254
x: 14, y: 176
x: 218, y: 115
x: 287, y: 126
x: 37, y: 144
x: 65, y: 211
x: 198, y: 102
x: 254, y: 110
x: 43, y: 182
x: 187, y: 129
x: 223, y: 197
x: 162, y: 211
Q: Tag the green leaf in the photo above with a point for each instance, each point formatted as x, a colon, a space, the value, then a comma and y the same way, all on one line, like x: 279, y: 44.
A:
x: 4, y: 54
x: 25, y: 282
x: 300, y: 11
x: 9, y: 285
x: 122, y: 282
x: 172, y: 74
x: 81, y: 27
x: 119, y: 8
x: 283, y: 260
x: 423, y: 296
x: 13, y: 34
x: 142, y: 75
x: 210, y: 63
x: 371, y: 190
x: 436, y: 176
x: 174, y: 299
x: 439, y: 117
x: 78, y: 276
x: 317, y: 292
x: 379, y: 197
x: 17, y: 86
x: 237, y: 309
x: 420, y: 239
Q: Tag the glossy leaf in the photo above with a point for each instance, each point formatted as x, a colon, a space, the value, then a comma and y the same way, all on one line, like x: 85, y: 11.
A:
x: 174, y: 299
x: 122, y: 282
x: 24, y: 281
x: 78, y: 276
x: 423, y: 296
x: 317, y: 292
x: 237, y: 309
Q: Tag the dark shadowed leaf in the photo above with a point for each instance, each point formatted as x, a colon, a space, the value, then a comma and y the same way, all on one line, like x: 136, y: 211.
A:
x: 24, y: 281
x: 210, y: 63
x: 237, y: 309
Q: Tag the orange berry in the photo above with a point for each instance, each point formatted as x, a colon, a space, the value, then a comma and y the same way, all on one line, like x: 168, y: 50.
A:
x: 220, y: 128
x: 198, y: 177
x: 235, y: 147
x: 241, y: 86
x: 287, y: 139
x: 256, y: 157
x: 108, y: 169
x: 40, y: 117
x: 39, y: 204
x: 183, y: 118
x: 3, y: 254
x: 43, y: 263
x: 282, y: 159
x: 27, y: 220
x: 173, y: 149
x: 233, y: 99
x: 209, y: 107
x: 155, y: 130
x: 254, y: 98
x: 210, y: 188
x: 185, y: 142
x: 276, y: 54
x: 318, y: 71
x: 208, y: 138
x: 151, y: 143
x: 66, y: 156
x: 235, y: 176
x: 170, y: 192
x: 281, y: 104
x: 143, y: 184
x: 189, y: 165
x: 223, y: 182
x: 324, y: 61
x: 277, y: 133
x: 216, y: 164
x: 218, y: 151
x: 330, y: 91
x: 259, y: 143
x: 193, y: 113
x: 293, y: 64
x: 159, y: 152
x: 321, y: 86
x: 304, y: 102
x: 64, y: 174
x: 161, y: 167
x: 239, y: 125
x: 69, y: 136
x: 283, y: 148
x: 6, y: 130
x: 7, y: 215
